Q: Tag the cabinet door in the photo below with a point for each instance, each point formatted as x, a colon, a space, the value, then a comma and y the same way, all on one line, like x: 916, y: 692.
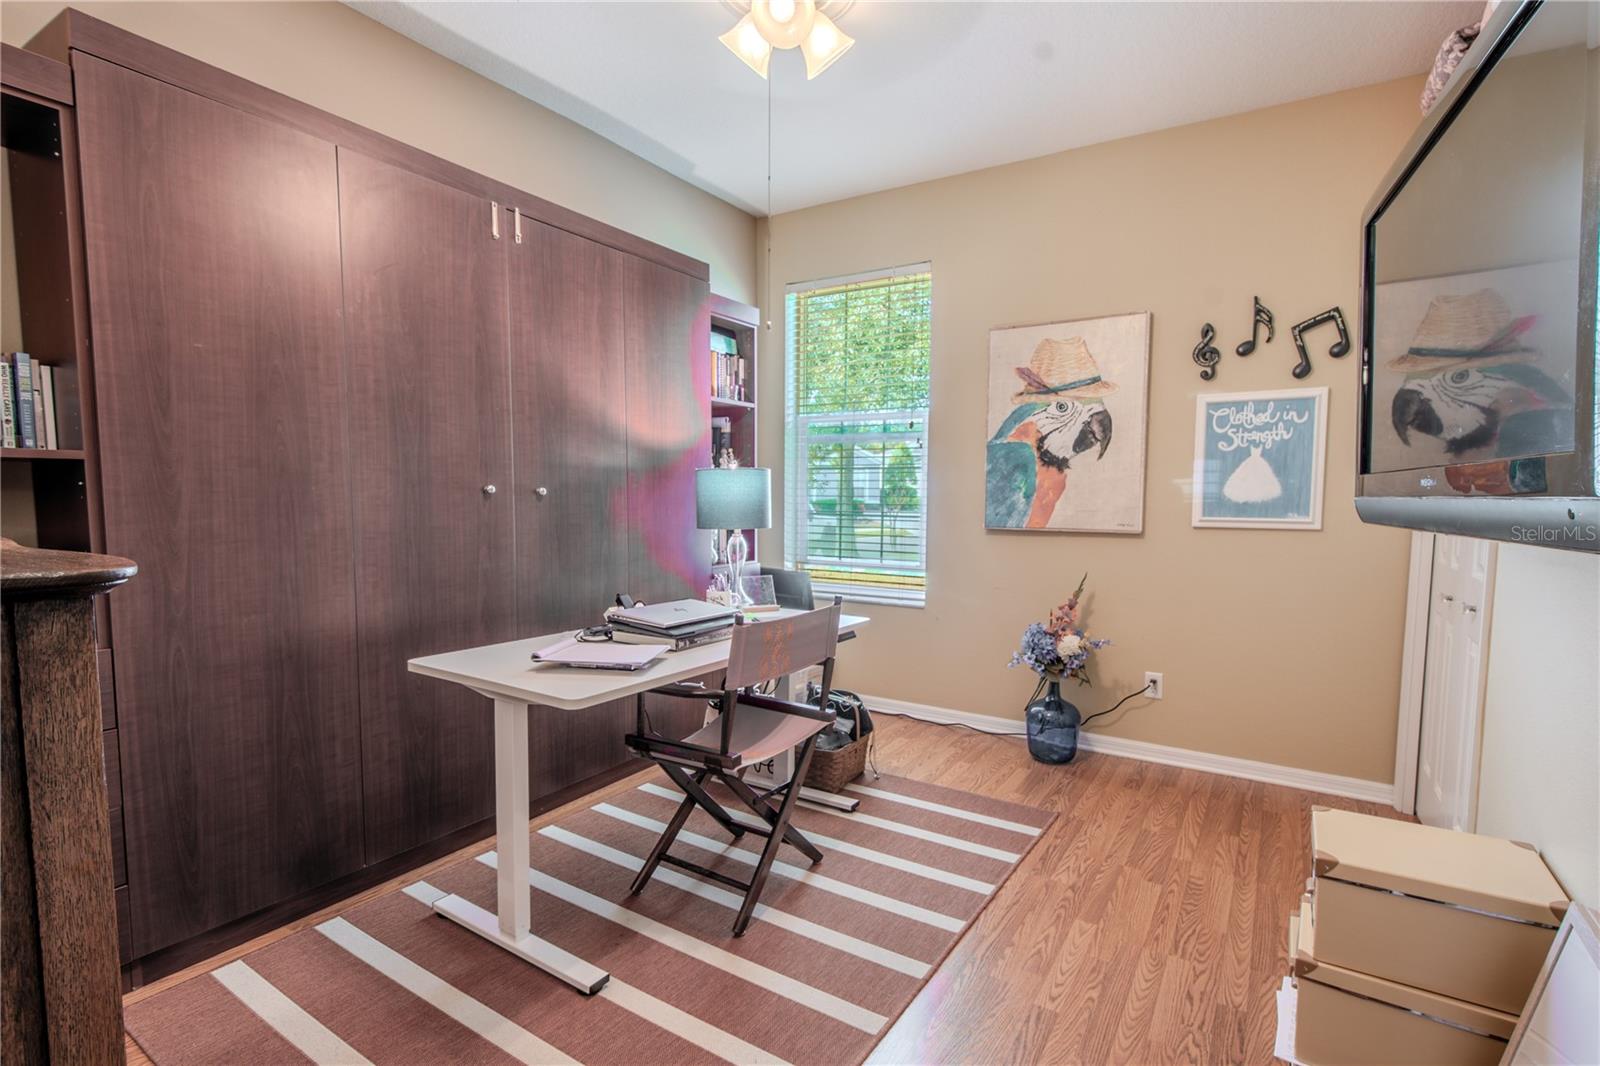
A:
x: 669, y: 430
x: 213, y: 255
x: 571, y: 431
x: 571, y: 428
x: 429, y: 423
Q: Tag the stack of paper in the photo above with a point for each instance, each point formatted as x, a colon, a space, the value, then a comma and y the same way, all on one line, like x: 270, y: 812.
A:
x: 599, y: 654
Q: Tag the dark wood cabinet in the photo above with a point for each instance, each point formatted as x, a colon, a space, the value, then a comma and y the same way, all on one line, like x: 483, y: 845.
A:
x: 315, y: 351
x: 213, y: 258
x: 669, y: 429
x: 430, y: 460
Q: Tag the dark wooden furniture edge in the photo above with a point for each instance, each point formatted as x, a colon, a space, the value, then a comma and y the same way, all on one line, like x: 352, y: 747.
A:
x: 61, y: 999
x: 73, y: 30
x: 36, y: 74
x: 170, y: 960
x: 733, y: 310
x: 28, y: 573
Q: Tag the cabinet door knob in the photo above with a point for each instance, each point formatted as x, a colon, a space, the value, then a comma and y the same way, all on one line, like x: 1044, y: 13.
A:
x: 488, y: 490
x: 541, y: 492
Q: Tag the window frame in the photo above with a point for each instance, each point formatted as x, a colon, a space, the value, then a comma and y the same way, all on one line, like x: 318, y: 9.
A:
x: 797, y: 439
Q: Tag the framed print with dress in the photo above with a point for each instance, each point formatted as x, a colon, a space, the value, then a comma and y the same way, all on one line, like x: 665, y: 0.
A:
x: 1258, y: 458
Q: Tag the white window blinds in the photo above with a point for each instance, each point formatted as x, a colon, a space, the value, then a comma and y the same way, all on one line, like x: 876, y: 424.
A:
x: 857, y: 422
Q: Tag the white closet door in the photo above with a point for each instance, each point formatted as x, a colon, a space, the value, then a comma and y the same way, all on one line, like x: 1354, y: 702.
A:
x: 1452, y: 687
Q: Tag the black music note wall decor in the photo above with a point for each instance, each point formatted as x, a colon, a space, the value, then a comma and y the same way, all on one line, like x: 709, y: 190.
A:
x: 1206, y: 353
x: 1263, y: 317
x: 1337, y: 350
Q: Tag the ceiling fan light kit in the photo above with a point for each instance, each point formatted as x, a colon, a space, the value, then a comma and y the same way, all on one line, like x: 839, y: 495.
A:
x: 786, y: 24
x: 824, y: 45
x: 783, y: 22
x: 746, y: 42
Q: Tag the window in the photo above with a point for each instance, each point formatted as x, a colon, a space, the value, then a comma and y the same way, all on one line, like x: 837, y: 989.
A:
x: 856, y: 464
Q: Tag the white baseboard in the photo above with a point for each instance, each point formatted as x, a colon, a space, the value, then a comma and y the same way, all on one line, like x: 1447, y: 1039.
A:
x: 1144, y: 750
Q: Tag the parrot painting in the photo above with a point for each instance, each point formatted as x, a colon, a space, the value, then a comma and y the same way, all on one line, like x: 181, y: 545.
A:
x: 1030, y: 454
x: 1056, y: 416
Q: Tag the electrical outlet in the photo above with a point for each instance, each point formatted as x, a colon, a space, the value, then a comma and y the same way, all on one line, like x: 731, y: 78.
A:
x: 1154, y: 686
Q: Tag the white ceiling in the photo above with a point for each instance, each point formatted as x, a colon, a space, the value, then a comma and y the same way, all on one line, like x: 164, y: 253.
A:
x: 930, y: 89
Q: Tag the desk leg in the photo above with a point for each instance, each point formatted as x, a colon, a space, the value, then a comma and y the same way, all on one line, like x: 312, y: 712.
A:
x: 783, y: 767
x: 510, y: 928
x: 511, y: 815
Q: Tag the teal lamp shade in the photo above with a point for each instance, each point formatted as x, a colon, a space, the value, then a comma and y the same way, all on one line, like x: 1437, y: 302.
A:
x: 737, y: 497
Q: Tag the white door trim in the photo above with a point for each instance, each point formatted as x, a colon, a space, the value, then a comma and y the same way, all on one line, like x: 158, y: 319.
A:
x: 1413, y: 663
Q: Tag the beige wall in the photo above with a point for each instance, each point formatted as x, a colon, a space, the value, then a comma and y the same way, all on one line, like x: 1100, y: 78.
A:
x: 332, y: 57
x: 1276, y: 646
x: 1541, y: 717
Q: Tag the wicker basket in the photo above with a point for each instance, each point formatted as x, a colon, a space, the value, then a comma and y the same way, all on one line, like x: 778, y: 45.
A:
x: 830, y: 771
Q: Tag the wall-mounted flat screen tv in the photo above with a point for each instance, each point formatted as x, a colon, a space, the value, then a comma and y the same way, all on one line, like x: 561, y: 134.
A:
x: 1478, y: 289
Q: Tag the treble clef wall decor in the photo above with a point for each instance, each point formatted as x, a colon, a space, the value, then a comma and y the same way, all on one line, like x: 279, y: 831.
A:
x: 1338, y: 349
x: 1206, y: 353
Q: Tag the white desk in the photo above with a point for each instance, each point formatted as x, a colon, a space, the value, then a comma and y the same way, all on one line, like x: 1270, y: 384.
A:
x: 505, y: 674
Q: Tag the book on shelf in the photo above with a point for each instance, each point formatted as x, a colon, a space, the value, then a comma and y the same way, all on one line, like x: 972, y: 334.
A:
x: 47, y: 404
x: 727, y: 368
x: 41, y: 404
x: 8, y: 411
x: 69, y: 416
x: 25, y: 409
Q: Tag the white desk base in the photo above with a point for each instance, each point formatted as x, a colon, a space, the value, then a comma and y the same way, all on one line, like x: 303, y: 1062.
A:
x: 510, y: 928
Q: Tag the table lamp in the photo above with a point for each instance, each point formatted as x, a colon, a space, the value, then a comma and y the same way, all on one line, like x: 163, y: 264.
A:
x: 734, y: 499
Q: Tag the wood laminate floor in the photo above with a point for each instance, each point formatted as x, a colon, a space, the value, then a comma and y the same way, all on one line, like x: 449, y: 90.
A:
x: 1149, y: 925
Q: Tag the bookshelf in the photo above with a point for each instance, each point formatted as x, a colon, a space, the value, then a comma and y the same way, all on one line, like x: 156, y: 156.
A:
x: 72, y: 454
x: 733, y: 409
x: 49, y: 498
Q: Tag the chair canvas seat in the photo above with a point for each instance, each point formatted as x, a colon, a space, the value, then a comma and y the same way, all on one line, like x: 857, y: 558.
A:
x: 758, y: 734
x: 751, y: 728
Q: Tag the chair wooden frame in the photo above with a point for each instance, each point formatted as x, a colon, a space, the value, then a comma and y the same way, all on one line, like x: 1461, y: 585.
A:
x: 774, y: 648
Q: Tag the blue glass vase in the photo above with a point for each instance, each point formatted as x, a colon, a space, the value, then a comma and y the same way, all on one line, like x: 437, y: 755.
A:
x: 1053, y: 727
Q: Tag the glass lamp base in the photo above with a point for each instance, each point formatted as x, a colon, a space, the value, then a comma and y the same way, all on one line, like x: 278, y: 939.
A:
x: 738, y: 552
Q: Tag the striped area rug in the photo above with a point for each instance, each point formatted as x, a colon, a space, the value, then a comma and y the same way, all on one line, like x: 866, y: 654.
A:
x: 836, y: 952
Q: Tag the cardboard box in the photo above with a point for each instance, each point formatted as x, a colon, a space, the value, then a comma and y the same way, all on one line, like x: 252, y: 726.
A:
x: 1468, y: 917
x: 1354, y: 1019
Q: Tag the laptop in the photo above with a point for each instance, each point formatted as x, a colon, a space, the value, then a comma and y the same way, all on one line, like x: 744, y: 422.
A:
x: 673, y: 616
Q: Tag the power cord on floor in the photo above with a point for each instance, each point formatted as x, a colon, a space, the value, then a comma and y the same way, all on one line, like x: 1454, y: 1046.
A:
x: 1138, y: 692
x: 959, y: 725
x: 1013, y: 733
